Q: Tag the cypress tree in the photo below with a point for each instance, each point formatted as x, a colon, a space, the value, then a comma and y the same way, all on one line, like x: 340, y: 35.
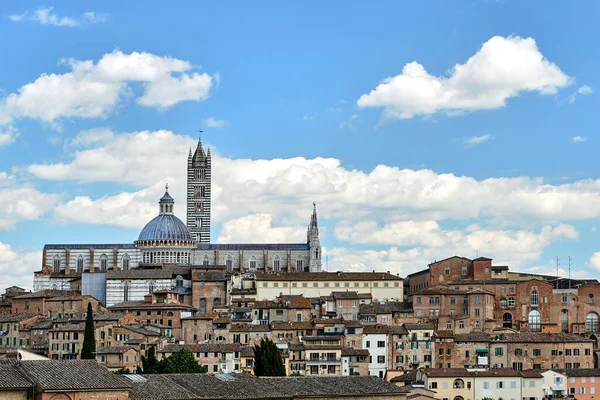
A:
x: 268, y: 360
x: 88, y: 351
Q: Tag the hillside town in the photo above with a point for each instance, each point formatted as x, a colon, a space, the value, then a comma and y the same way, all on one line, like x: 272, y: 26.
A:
x: 459, y: 329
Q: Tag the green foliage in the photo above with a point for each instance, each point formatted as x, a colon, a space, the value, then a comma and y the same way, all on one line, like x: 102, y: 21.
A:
x: 182, y: 362
x: 150, y: 364
x: 88, y: 350
x: 268, y: 360
x: 122, y: 371
x: 296, y: 374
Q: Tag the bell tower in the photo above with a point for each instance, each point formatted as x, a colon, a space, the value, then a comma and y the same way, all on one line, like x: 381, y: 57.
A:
x: 314, y: 244
x: 198, y: 193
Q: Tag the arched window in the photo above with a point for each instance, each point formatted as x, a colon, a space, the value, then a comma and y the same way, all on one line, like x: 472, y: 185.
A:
x: 503, y: 302
x: 80, y: 264
x: 534, y: 298
x: 276, y: 264
x: 535, y: 321
x: 179, y: 281
x: 229, y: 264
x: 511, y: 301
x: 205, y: 262
x: 126, y: 262
x: 126, y: 292
x: 220, y: 339
x: 202, y: 307
x: 252, y: 264
x: 56, y: 263
x: 217, y: 301
x: 507, y: 320
x: 103, y: 262
x: 170, y: 314
x: 458, y: 384
x: 591, y: 322
x: 564, y: 321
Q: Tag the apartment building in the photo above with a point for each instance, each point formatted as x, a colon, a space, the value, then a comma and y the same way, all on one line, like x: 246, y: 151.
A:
x: 376, y: 341
x: 323, y: 354
x: 219, y: 358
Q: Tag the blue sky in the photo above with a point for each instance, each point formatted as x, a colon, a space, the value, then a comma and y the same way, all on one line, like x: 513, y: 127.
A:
x: 481, y: 142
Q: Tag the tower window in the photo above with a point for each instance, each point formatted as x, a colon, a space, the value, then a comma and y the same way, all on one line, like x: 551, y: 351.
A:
x: 125, y: 262
x: 80, y: 264
x: 56, y: 263
x: 229, y: 264
x: 252, y: 265
x: 276, y: 264
x: 299, y: 265
x: 103, y: 262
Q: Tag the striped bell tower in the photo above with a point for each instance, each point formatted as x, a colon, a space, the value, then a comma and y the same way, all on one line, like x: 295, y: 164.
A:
x: 198, y: 194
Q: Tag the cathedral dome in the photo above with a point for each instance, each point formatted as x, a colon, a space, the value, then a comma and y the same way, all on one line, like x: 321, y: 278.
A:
x: 165, y: 227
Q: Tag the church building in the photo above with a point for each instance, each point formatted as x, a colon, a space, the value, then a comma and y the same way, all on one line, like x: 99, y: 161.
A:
x: 167, y: 240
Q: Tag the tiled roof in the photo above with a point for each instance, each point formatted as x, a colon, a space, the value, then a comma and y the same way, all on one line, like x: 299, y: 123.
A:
x: 142, y: 304
x: 579, y: 372
x: 450, y: 258
x: 471, y: 337
x: 249, y: 328
x: 291, y: 325
x: 398, y: 330
x: 208, y: 276
x: 202, y: 348
x: 244, y: 386
x: 417, y: 327
x: 463, y: 372
x: 296, y: 301
x: 252, y: 246
x: 344, y: 295
x: 113, y: 350
x: 88, y: 246
x: 409, y: 376
x: 47, y: 293
x: 327, y: 276
x: 141, y: 329
x: 11, y: 377
x: 450, y: 291
x: 376, y: 329
x: 538, y: 337
x: 387, y: 307
x: 14, y: 317
x: 349, y: 351
x: 72, y: 375
x: 205, y: 316
x: 138, y: 273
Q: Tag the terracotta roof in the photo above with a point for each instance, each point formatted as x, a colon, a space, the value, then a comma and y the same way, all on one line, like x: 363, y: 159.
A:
x: 344, y: 295
x: 245, y: 386
x: 206, y: 316
x: 291, y: 325
x: 463, y: 372
x: 326, y: 276
x: 471, y: 337
x: 142, y: 304
x: 387, y: 307
x: 81, y: 375
x: 450, y: 258
x: 376, y: 329
x: 538, y: 337
x: 202, y: 348
x: 579, y: 372
x: 249, y: 328
x: 47, y: 293
x: 14, y: 317
x: 296, y: 301
x: 349, y: 351
x: 113, y: 350
x: 417, y: 327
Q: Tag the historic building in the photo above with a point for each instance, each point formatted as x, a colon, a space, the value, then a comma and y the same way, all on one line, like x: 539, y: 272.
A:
x: 167, y: 240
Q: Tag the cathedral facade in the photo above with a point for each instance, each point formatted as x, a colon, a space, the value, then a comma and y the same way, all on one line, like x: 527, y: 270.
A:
x: 167, y: 240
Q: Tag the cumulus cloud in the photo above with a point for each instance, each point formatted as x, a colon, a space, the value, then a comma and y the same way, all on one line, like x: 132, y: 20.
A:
x: 91, y: 137
x: 594, y: 261
x: 579, y: 139
x: 211, y: 122
x: 257, y: 228
x: 503, y: 68
x: 22, y: 203
x: 93, y: 90
x: 47, y: 16
x: 582, y: 91
x: 17, y: 267
x: 281, y: 186
x: 475, y: 140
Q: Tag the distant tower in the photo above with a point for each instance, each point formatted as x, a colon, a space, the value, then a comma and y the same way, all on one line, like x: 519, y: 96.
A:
x: 314, y: 244
x: 198, y: 194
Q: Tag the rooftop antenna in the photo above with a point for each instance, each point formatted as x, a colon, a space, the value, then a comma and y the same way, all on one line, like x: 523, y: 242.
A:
x: 570, y: 263
x: 557, y: 264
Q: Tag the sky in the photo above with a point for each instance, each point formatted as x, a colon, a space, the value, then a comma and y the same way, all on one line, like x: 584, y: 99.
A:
x: 422, y: 130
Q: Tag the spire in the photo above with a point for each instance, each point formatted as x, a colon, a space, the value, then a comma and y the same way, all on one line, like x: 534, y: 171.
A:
x: 313, y: 219
x: 189, y: 155
x: 208, y: 152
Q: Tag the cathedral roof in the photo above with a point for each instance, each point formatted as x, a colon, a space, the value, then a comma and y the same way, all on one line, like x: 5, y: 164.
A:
x: 165, y: 227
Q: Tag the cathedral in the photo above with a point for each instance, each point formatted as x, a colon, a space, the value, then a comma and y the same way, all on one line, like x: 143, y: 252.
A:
x: 167, y: 240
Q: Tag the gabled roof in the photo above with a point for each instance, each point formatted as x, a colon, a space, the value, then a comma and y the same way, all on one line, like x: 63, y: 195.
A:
x: 11, y: 377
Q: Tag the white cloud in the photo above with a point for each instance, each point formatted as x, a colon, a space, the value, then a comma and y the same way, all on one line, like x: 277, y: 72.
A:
x: 501, y: 69
x: 257, y: 228
x: 22, y: 203
x: 17, y: 267
x: 92, y: 90
x: 46, y: 16
x: 211, y: 122
x: 594, y: 261
x: 8, y: 134
x: 475, y: 140
x: 578, y: 139
x: 92, y: 136
x: 582, y: 91
x: 351, y: 122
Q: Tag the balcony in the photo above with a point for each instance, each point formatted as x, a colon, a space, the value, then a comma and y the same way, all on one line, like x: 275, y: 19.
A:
x: 323, y: 359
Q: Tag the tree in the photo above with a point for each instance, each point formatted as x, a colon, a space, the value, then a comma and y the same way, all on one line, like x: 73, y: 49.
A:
x: 88, y: 351
x: 267, y: 359
x: 122, y: 371
x: 182, y: 362
x: 150, y: 364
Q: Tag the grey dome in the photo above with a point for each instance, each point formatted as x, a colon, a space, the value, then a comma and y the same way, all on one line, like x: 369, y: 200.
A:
x: 165, y: 227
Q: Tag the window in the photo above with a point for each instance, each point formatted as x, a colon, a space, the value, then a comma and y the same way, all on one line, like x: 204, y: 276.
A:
x: 229, y: 264
x: 537, y: 366
x: 299, y: 265
x: 461, y: 325
x: 125, y: 262
x: 511, y: 301
x: 591, y: 322
x: 433, y: 385
x: 499, y: 351
x: 583, y: 380
x: 80, y: 264
x: 448, y: 325
x: 486, y: 385
x: 503, y: 302
x: 575, y: 352
x: 513, y: 384
x: 518, y: 352
x: 103, y: 262
x: 537, y: 352
x: 591, y: 298
x: 464, y: 271
x: 368, y: 344
x: 452, y: 300
x: 477, y: 312
x: 276, y: 264
x: 447, y: 271
x: 418, y: 300
x: 535, y: 320
x: 381, y: 359
x: 534, y: 298
x: 56, y: 263
x: 564, y: 298
x: 252, y: 264
x: 499, y: 385
x: 518, y: 366
x: 126, y: 293
x: 477, y: 299
x: 567, y: 352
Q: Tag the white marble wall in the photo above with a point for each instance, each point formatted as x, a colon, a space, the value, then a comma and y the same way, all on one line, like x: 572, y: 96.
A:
x: 138, y: 288
x: 133, y: 253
